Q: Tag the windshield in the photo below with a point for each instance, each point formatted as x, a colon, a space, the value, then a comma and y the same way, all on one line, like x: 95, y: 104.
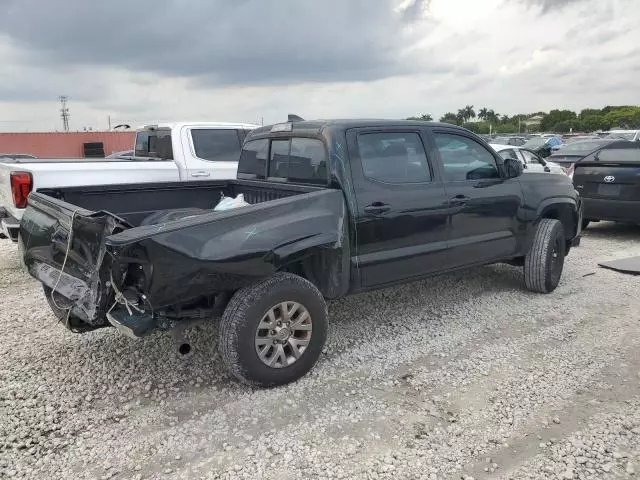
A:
x: 584, y: 146
x: 622, y: 135
x: 534, y: 142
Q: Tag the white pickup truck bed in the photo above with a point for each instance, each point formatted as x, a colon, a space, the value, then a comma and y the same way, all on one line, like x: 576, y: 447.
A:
x: 48, y: 173
x: 166, y: 153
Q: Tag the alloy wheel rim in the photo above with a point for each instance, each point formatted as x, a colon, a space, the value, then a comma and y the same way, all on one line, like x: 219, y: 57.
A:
x: 283, y: 334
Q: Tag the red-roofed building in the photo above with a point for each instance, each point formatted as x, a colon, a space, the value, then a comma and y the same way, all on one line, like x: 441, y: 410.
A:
x: 64, y: 144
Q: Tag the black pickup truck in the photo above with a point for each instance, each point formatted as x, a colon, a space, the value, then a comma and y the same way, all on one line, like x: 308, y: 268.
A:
x: 336, y: 207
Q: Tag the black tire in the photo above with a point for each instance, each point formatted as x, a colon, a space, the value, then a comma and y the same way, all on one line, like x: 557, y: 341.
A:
x: 545, y: 260
x: 240, y: 322
x: 585, y: 224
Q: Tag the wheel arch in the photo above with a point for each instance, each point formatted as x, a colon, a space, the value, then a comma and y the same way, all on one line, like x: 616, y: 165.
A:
x: 563, y: 210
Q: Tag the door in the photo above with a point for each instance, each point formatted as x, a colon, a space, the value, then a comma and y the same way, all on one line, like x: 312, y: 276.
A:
x: 484, y: 220
x: 401, y: 207
x: 212, y: 153
x: 533, y: 162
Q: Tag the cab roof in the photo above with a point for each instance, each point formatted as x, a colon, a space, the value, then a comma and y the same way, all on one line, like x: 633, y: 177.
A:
x: 179, y: 125
x: 314, y: 127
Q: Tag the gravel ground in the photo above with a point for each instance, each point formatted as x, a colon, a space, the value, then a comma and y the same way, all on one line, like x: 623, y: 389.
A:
x: 461, y: 376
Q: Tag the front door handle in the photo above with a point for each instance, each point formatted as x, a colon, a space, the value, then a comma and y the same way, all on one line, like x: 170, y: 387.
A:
x: 200, y: 174
x: 376, y: 208
x: 459, y: 200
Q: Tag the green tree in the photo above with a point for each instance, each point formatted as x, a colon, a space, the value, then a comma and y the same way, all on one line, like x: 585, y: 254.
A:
x: 556, y: 116
x: 469, y: 112
x: 591, y: 122
x: 622, y: 117
x: 563, y: 127
x: 425, y: 117
x: 482, y: 113
x: 450, y: 117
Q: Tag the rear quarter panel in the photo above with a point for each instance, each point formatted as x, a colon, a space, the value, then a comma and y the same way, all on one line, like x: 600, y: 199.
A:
x: 224, y: 251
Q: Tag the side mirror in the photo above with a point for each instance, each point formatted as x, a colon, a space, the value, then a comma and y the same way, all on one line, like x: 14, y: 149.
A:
x: 513, y: 168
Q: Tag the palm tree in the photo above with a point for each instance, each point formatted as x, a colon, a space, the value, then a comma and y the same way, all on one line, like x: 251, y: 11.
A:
x: 469, y: 112
x: 482, y: 114
x: 425, y: 117
x: 504, y: 118
x: 462, y: 116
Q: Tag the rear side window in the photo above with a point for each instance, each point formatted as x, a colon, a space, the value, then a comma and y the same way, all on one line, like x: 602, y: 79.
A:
x: 307, y: 161
x: 154, y: 143
x: 253, y: 159
x: 217, y: 145
x: 393, y: 157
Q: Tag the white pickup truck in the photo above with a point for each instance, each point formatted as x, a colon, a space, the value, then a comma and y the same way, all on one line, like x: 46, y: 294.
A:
x: 162, y: 153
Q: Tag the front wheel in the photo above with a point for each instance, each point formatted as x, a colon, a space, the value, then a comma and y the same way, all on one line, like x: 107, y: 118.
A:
x: 273, y: 332
x: 545, y: 260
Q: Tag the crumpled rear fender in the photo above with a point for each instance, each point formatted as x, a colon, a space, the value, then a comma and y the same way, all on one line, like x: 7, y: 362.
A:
x: 224, y: 251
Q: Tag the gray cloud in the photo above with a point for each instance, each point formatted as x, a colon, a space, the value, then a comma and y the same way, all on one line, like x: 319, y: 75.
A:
x: 549, y: 5
x: 246, y: 42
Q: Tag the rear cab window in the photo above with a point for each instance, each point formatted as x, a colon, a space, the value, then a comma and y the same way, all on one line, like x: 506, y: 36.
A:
x: 154, y: 143
x: 295, y: 159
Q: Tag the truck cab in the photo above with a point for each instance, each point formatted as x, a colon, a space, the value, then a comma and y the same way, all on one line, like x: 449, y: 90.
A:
x: 201, y: 150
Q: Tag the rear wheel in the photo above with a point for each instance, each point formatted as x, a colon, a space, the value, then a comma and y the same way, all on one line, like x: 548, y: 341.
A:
x: 273, y: 332
x: 585, y: 224
x: 544, y: 263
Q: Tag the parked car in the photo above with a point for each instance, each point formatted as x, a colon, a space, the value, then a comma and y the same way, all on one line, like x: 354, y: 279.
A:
x: 570, y: 153
x: 530, y: 161
x: 609, y: 183
x: 163, y: 153
x: 335, y: 207
x: 511, y: 140
x: 542, y: 145
x: 631, y: 135
x: 126, y: 153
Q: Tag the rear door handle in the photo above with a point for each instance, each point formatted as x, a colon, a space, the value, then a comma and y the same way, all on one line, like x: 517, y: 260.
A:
x: 459, y: 200
x: 200, y: 174
x: 376, y: 208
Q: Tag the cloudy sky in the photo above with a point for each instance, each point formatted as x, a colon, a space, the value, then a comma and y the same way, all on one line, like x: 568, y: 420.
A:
x: 246, y: 60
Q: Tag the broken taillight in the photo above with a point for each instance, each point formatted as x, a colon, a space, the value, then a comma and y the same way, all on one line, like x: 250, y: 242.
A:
x: 21, y: 184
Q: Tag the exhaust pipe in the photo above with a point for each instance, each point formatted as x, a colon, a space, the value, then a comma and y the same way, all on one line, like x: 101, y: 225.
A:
x: 183, y: 345
x: 184, y: 348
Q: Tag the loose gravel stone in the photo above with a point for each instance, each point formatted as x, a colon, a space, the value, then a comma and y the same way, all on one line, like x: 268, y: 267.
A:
x: 442, y: 378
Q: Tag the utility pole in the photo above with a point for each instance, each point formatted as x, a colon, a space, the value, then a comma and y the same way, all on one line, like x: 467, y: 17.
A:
x: 64, y: 112
x: 109, y: 122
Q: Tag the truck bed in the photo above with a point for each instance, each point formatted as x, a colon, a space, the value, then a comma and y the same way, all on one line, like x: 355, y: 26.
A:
x: 177, y: 260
